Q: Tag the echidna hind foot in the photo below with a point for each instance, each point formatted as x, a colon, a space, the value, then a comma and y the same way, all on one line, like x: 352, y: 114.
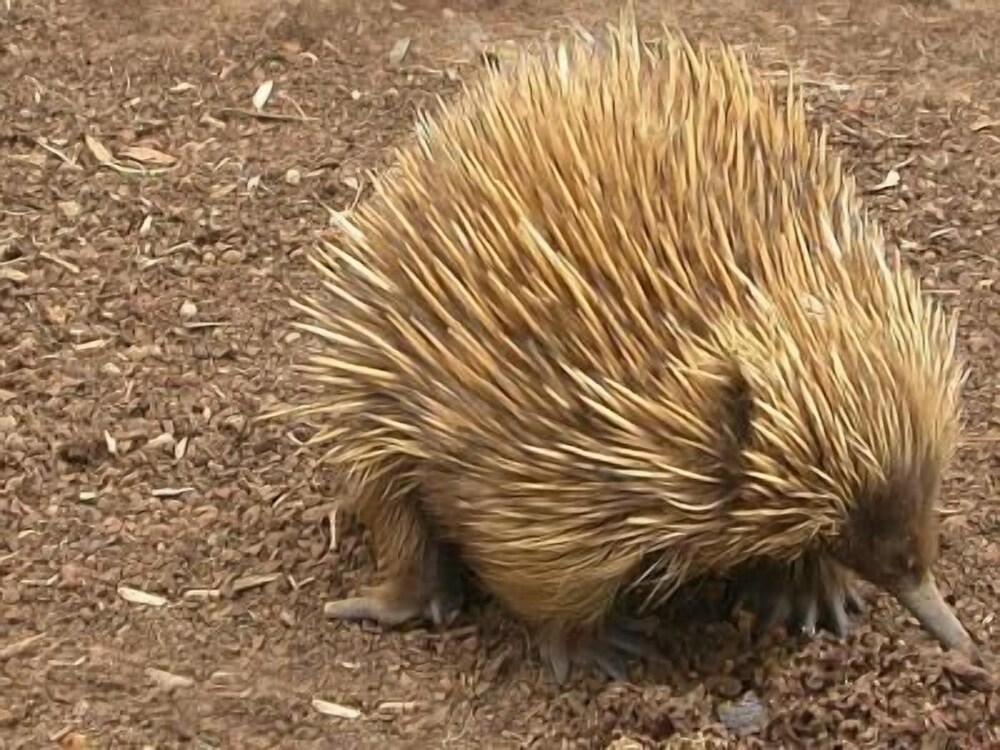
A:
x: 811, y: 593
x: 435, y: 594
x: 422, y: 575
x: 609, y: 652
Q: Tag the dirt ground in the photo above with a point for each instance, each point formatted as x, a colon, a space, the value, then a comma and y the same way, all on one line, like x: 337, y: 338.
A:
x: 163, y: 562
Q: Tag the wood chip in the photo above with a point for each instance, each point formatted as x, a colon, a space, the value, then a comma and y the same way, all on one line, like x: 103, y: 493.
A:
x: 12, y: 274
x: 135, y: 596
x: 335, y: 709
x: 252, y: 582
x: 891, y: 180
x: 87, y: 346
x: 202, y: 594
x: 172, y: 491
x: 984, y: 123
x: 168, y: 680
x: 262, y: 94
x: 399, y: 50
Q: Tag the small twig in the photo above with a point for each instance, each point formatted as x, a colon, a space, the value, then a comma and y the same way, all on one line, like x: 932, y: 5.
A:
x: 302, y: 113
x: 57, y: 153
x: 257, y: 115
x: 19, y: 647
x: 196, y: 324
x: 142, y: 171
x: 60, y: 262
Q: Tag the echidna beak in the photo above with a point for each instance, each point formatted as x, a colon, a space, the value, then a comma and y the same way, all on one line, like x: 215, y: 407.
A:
x: 925, y: 602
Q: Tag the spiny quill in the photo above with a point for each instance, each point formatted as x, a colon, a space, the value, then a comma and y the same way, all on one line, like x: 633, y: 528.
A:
x: 616, y: 320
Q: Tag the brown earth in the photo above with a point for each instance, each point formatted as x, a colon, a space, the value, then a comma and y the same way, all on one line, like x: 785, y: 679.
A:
x: 142, y: 325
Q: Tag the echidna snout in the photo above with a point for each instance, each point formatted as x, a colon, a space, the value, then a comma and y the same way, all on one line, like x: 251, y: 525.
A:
x: 892, y: 541
x: 925, y: 602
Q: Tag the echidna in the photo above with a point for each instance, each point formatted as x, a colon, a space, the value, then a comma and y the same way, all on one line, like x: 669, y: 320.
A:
x: 619, y: 320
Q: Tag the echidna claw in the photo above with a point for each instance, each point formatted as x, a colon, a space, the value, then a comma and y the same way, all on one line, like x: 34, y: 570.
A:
x: 555, y: 653
x: 444, y: 609
x: 624, y: 638
x: 821, y: 601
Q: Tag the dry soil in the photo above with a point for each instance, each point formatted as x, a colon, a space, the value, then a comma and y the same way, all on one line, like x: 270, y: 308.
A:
x: 163, y: 562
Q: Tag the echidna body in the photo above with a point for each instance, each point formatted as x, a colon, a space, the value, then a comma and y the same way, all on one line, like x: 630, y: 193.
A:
x: 618, y: 320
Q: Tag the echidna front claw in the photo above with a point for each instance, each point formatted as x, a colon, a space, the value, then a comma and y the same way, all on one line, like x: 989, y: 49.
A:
x: 817, y: 594
x: 625, y: 637
x: 445, y: 605
x: 554, y: 651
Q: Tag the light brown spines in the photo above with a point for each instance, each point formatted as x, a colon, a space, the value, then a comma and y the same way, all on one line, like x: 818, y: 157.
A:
x: 623, y: 312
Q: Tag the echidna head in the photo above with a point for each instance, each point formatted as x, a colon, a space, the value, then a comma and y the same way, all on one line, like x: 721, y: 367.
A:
x: 890, y: 535
x: 890, y: 538
x: 856, y: 418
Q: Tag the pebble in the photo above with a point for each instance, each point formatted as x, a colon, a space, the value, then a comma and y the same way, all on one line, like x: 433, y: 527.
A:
x: 232, y: 256
x: 744, y: 716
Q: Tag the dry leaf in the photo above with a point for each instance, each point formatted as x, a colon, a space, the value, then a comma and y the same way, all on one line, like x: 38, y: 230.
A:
x: 262, y: 94
x: 181, y: 448
x: 98, y: 149
x: 399, y: 50
x: 891, y: 180
x: 135, y: 596
x: 335, y: 709
x: 148, y: 155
